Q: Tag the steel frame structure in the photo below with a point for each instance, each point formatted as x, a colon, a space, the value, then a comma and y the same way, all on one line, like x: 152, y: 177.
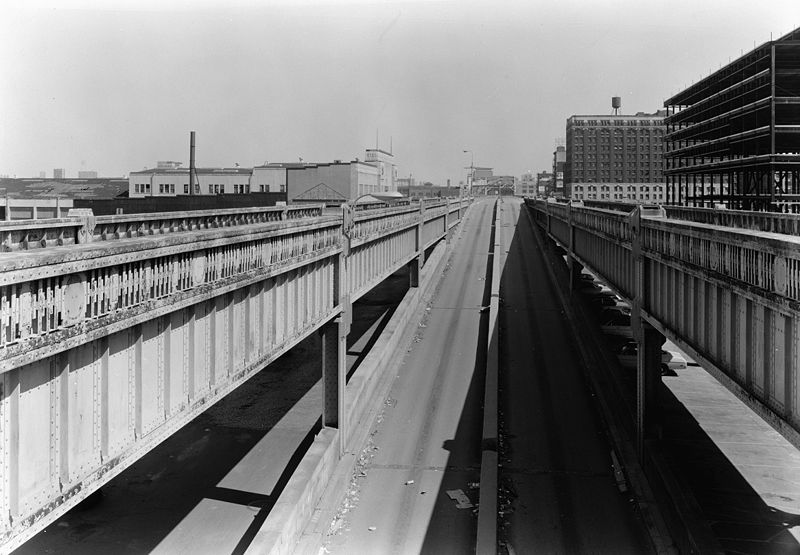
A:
x: 733, y: 138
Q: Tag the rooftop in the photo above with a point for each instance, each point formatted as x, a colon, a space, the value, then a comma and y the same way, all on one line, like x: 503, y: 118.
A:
x: 91, y: 188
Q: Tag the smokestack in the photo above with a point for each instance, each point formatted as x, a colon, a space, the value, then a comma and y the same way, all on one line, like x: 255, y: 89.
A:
x: 192, y: 169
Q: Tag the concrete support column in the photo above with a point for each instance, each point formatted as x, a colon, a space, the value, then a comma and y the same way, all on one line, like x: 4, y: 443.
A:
x: 648, y: 376
x: 334, y: 376
x: 575, y: 268
x: 414, y: 268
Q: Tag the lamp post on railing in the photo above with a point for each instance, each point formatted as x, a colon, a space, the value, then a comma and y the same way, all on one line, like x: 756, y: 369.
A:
x: 471, y: 175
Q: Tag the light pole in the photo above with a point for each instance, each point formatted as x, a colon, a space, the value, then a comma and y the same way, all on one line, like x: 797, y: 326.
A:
x: 471, y: 176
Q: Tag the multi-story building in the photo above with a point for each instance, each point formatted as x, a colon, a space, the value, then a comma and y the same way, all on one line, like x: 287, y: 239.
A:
x: 616, y: 157
x: 559, y: 164
x: 302, y: 182
x: 405, y: 183
x: 87, y: 174
x: 387, y: 170
x: 526, y: 185
x: 171, y: 182
x: 332, y: 183
x: 58, y: 173
x: 733, y: 138
x: 544, y: 184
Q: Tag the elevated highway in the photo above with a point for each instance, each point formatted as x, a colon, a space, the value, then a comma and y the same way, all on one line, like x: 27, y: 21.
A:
x: 116, y: 331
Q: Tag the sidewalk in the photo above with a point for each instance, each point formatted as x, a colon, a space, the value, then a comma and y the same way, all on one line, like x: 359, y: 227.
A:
x: 744, y: 476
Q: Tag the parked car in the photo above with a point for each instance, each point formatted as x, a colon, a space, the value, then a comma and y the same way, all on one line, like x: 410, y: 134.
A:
x: 606, y: 299
x: 592, y: 289
x: 670, y: 361
x: 617, y: 324
x: 608, y: 312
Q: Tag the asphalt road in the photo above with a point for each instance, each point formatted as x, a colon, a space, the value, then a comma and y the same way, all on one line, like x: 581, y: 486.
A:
x: 426, y: 441
x: 558, y: 493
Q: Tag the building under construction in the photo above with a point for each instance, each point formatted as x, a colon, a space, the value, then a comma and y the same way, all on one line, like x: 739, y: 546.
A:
x: 733, y: 138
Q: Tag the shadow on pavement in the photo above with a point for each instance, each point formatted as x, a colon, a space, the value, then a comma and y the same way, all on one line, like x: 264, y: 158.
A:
x: 733, y: 512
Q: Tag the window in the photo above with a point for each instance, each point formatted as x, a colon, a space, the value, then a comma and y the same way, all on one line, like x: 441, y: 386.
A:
x: 161, y: 188
x: 283, y: 188
x: 197, y: 189
x: 185, y: 188
x: 261, y: 188
x: 147, y: 188
x: 235, y: 188
x: 216, y: 188
x: 247, y: 188
x: 210, y: 189
x: 172, y: 188
x: 136, y: 187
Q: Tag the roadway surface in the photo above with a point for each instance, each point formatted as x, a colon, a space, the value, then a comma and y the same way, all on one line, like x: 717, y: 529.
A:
x: 426, y: 441
x: 558, y: 493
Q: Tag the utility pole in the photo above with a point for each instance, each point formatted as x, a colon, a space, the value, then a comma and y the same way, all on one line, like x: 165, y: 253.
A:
x: 192, y: 169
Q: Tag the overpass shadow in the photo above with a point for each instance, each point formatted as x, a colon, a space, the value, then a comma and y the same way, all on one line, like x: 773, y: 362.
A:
x: 210, y: 486
x: 737, y: 515
x: 717, y: 497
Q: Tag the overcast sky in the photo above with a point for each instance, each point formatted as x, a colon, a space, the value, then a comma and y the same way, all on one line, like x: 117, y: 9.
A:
x: 116, y: 86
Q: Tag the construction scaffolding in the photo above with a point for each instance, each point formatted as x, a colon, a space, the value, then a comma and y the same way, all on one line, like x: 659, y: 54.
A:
x: 733, y: 138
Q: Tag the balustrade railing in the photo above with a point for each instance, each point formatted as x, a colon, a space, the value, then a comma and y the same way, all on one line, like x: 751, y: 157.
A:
x: 771, y: 222
x: 31, y: 234
x: 111, y: 283
x: 52, y: 290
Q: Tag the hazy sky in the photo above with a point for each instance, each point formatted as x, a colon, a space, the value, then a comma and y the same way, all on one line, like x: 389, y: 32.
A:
x: 116, y: 86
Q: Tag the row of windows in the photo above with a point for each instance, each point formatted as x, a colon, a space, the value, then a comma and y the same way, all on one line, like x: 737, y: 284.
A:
x: 629, y: 188
x: 647, y: 129
x: 213, y: 188
x: 630, y: 150
x: 616, y: 196
x: 618, y: 156
x: 630, y: 122
x: 578, y: 174
x: 630, y: 142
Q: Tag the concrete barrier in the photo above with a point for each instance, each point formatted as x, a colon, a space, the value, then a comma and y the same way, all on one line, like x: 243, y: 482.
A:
x: 320, y: 468
x: 486, y: 540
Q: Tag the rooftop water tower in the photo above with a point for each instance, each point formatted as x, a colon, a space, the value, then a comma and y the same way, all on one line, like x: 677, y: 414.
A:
x: 616, y: 103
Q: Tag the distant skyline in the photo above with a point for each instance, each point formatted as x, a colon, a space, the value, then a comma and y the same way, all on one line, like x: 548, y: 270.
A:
x: 116, y: 86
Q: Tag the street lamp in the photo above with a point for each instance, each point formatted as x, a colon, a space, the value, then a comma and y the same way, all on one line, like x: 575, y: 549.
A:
x: 471, y: 176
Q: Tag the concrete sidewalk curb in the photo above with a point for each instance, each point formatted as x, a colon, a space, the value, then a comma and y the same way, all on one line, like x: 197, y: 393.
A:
x: 486, y: 543
x: 657, y: 528
x: 297, y: 523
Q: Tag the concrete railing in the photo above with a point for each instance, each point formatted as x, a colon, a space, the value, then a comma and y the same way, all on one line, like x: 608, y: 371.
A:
x: 30, y: 234
x: 772, y: 222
